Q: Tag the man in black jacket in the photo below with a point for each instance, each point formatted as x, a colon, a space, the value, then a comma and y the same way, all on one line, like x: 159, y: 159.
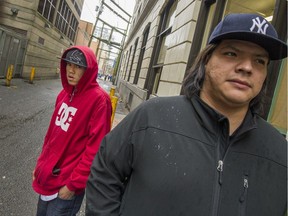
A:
x: 205, y: 153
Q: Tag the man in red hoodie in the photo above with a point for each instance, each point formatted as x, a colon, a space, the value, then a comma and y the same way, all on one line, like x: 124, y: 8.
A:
x: 81, y: 118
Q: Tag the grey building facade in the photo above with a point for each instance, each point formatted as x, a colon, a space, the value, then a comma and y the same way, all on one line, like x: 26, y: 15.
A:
x: 34, y: 34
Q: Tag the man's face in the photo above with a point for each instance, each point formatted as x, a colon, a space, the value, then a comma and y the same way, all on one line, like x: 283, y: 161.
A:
x: 74, y: 73
x: 234, y: 74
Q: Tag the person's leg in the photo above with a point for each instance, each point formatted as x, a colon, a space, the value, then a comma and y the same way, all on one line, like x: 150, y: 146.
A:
x: 60, y: 207
x: 41, y: 207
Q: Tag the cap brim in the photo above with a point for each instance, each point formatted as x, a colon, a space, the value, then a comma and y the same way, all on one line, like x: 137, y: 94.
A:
x: 276, y: 49
x: 81, y: 65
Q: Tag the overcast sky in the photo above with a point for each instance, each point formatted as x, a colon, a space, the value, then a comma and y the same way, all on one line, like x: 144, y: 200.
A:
x: 89, y: 14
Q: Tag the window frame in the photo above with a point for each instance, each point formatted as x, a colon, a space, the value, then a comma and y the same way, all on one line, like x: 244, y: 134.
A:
x: 142, y: 52
x: 163, y: 31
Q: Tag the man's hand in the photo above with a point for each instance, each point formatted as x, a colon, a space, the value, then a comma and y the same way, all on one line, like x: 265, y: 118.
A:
x: 65, y: 194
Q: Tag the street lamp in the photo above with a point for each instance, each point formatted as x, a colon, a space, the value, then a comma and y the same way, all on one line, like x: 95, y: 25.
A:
x: 98, y: 9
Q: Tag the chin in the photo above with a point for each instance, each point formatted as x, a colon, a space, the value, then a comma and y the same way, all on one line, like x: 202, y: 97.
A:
x: 72, y: 83
x: 239, y: 100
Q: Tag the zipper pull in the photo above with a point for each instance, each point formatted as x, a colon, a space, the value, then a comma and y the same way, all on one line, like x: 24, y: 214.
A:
x: 220, y: 166
x: 220, y: 170
x: 72, y: 95
x: 245, y: 184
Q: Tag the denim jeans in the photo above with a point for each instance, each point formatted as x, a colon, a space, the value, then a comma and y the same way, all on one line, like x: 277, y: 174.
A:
x: 60, y: 207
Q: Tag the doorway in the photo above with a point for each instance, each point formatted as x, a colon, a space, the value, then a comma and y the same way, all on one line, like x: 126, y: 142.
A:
x: 12, y: 50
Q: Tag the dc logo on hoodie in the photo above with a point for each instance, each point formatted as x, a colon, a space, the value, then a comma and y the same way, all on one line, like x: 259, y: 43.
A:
x: 65, y: 116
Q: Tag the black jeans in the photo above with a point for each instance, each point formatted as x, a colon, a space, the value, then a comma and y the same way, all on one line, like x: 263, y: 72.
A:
x: 59, y: 207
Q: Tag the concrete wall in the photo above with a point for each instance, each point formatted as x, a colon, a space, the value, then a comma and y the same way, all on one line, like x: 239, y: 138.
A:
x: 45, y: 44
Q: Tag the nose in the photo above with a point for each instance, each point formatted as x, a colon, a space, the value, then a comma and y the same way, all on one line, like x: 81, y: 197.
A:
x: 70, y: 68
x: 245, y: 65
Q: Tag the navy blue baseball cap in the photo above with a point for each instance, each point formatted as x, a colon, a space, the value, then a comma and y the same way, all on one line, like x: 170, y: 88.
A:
x: 76, y: 57
x: 253, y: 28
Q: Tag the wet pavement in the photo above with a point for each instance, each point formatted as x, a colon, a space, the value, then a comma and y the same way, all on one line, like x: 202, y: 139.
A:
x: 25, y: 112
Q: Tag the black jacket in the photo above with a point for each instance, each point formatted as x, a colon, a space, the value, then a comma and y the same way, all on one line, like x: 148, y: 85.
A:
x: 172, y: 156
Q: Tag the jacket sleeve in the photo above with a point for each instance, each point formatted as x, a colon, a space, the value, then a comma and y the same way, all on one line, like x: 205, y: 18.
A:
x: 99, y: 126
x: 111, y: 169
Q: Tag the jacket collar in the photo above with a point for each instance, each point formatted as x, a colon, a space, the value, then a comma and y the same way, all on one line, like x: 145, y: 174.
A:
x: 211, y: 119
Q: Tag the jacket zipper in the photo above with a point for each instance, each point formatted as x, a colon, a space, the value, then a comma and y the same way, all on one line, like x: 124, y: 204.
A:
x: 220, y: 167
x: 220, y: 170
x: 218, y: 188
x: 72, y: 95
x: 243, y: 197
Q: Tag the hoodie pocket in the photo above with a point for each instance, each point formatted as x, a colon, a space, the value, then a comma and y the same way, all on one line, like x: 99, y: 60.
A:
x: 44, y: 170
x: 243, y: 197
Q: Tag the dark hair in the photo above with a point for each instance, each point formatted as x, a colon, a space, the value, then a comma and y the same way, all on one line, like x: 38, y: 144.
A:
x: 193, y: 82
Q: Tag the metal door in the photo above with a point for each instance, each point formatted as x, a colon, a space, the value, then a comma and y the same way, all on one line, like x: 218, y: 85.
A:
x: 12, y: 49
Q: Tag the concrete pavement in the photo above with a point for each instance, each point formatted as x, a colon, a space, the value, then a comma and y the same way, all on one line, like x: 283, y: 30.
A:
x: 25, y: 111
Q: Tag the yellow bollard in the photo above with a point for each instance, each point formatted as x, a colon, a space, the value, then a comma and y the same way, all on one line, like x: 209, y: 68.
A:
x: 9, y: 75
x: 114, y: 101
x: 32, y: 74
x: 112, y: 91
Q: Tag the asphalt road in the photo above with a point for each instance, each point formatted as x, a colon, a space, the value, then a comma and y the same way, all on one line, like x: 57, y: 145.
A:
x: 25, y: 111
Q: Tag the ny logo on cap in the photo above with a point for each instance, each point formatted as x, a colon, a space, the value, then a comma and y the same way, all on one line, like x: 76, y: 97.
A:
x: 262, y: 26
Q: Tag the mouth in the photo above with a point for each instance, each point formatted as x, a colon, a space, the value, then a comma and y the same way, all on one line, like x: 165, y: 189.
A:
x: 240, y: 83
x: 70, y: 77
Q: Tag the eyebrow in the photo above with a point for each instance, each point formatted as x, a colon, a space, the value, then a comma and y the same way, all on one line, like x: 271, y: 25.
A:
x: 228, y: 46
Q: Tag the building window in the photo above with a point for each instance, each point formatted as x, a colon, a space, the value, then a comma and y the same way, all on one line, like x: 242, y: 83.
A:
x: 66, y: 22
x: 72, y: 28
x: 141, y: 56
x: 162, y: 43
x: 127, y: 63
x: 41, y: 40
x: 63, y: 17
x: 133, y: 56
x: 157, y: 72
x: 77, y: 8
x: 168, y: 19
x: 278, y: 110
x: 47, y: 9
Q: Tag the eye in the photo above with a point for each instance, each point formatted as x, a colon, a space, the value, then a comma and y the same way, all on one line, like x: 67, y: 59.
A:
x: 261, y: 61
x: 230, y: 54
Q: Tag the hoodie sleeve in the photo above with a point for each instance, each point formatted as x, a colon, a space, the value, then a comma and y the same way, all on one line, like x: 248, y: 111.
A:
x: 99, y: 126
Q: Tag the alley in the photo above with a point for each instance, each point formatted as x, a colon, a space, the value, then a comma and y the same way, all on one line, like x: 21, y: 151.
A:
x: 24, y: 117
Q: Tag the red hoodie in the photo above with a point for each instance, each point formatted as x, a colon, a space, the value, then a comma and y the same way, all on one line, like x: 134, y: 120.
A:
x: 80, y: 120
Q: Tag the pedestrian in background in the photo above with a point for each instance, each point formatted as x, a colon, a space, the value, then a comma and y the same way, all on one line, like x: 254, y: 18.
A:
x: 80, y: 120
x: 207, y: 152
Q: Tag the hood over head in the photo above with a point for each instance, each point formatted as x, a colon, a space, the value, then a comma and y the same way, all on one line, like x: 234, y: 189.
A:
x: 86, y: 58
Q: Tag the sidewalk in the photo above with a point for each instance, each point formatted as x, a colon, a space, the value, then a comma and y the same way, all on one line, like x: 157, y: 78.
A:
x: 121, y: 110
